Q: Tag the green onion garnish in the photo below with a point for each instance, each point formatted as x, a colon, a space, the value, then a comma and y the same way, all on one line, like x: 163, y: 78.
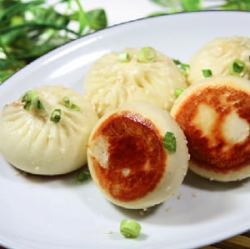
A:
x: 83, y: 176
x: 38, y: 104
x: 56, y: 115
x: 31, y: 100
x: 237, y: 67
x: 207, y: 73
x: 184, y: 67
x: 27, y: 99
x: 124, y: 57
x: 177, y: 62
x: 67, y: 103
x: 147, y: 54
x: 130, y: 228
x: 178, y: 92
x: 169, y: 141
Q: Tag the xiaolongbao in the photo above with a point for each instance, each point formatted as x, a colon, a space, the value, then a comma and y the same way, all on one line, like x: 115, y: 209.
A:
x: 133, y: 75
x: 46, y: 131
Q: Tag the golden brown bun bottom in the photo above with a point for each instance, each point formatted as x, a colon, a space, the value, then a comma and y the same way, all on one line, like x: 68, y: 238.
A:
x: 127, y: 158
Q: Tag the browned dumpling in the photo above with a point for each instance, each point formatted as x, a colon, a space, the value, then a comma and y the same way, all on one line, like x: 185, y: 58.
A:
x: 128, y: 160
x: 215, y: 117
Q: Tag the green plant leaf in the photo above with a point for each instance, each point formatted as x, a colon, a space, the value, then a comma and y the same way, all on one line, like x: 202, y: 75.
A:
x: 48, y: 15
x: 171, y: 5
x: 191, y: 5
x: 236, y: 5
x: 159, y: 13
x: 4, y: 75
x: 16, y: 8
x: 163, y: 3
x: 82, y: 17
x: 179, y: 5
x: 97, y: 19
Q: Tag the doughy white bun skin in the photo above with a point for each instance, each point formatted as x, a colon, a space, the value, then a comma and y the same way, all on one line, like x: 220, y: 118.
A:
x: 218, y: 55
x: 111, y: 83
x: 214, y: 116
x: 127, y: 159
x: 31, y: 142
x: 214, y: 176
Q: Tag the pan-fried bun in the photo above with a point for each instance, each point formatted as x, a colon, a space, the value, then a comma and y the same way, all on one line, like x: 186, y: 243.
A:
x: 127, y: 158
x: 215, y: 117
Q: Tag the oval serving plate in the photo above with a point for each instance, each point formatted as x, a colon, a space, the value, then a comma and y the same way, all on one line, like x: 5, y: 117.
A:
x: 58, y: 212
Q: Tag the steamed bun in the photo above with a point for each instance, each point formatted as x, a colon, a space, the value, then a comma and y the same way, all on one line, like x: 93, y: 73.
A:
x: 218, y: 56
x: 111, y: 82
x: 46, y: 131
x: 127, y: 158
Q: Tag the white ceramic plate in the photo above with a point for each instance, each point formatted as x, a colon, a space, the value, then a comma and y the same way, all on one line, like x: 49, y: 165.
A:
x: 58, y: 213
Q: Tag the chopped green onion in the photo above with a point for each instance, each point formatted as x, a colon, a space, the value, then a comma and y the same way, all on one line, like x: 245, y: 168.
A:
x: 130, y: 228
x: 177, y: 62
x: 184, y: 67
x: 169, y: 141
x: 38, y: 104
x: 67, y: 103
x: 30, y: 99
x: 178, y: 92
x: 147, y: 54
x: 83, y: 176
x: 237, y: 67
x: 207, y: 73
x: 124, y: 57
x: 75, y: 107
x: 27, y: 105
x: 56, y: 115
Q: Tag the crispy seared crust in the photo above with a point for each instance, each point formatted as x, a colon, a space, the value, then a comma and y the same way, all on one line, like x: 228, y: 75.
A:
x: 135, y: 156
